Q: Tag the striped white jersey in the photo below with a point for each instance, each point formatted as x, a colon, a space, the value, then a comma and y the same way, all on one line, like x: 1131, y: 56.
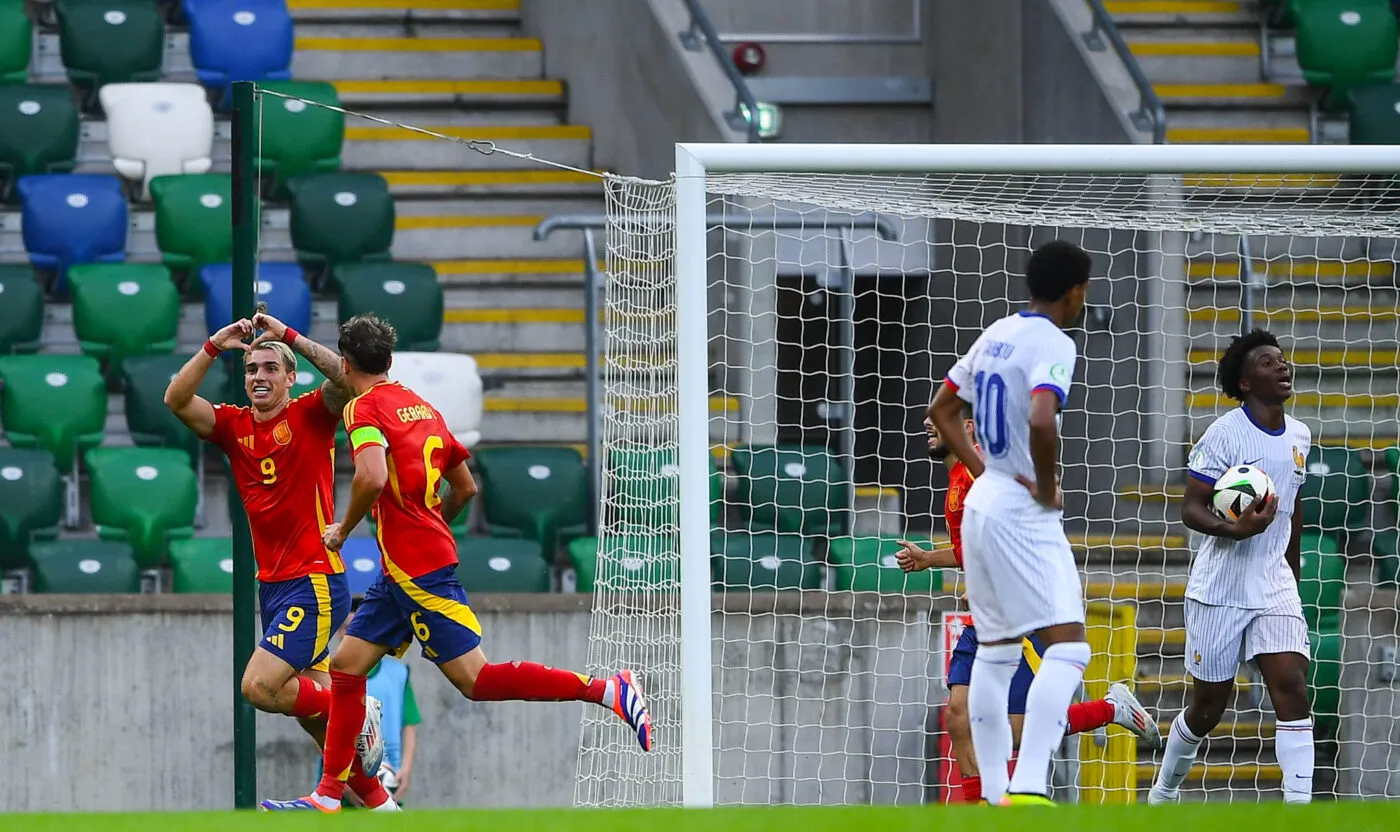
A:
x: 1015, y: 357
x: 1250, y: 573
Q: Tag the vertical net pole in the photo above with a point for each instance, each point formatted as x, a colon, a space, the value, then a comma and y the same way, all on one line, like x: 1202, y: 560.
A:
x: 245, y: 252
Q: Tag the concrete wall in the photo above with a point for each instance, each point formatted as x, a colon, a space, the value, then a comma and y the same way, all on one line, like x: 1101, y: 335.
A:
x: 632, y: 84
x: 125, y: 703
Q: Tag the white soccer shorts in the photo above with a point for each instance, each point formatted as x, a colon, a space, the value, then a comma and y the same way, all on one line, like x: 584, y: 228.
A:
x: 1021, y: 575
x: 1219, y: 638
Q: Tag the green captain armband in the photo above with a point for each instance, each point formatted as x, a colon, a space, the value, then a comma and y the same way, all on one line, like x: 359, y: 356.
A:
x: 367, y: 435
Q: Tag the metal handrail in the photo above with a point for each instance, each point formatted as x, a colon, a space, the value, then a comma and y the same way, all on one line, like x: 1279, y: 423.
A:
x: 1150, y: 115
x: 702, y: 29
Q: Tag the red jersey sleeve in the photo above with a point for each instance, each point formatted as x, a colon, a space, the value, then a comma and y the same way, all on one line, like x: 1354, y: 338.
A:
x: 314, y: 411
x: 363, y: 425
x: 224, y: 415
x: 456, y: 453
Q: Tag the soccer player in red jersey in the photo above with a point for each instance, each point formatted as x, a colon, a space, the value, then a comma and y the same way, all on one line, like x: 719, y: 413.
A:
x: 281, y: 451
x: 1119, y: 707
x: 404, y: 452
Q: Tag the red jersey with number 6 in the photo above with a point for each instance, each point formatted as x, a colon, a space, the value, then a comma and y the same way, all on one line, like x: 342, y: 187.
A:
x: 285, y: 471
x: 418, y: 447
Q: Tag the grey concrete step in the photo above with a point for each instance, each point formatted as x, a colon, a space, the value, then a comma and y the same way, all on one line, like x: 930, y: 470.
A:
x: 1231, y: 96
x: 1130, y: 14
x: 391, y: 148
x: 1170, y: 55
x: 418, y: 57
x: 407, y: 27
x: 1274, y: 119
x: 495, y: 94
x: 1295, y: 255
x: 503, y: 14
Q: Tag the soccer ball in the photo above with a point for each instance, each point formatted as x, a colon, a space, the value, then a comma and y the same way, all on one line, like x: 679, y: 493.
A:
x: 1238, y: 488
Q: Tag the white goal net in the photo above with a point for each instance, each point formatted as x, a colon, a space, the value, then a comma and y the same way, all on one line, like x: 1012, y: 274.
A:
x: 833, y: 304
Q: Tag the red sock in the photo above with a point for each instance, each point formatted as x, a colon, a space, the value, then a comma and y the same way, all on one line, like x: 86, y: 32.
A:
x: 312, y: 700
x: 370, y: 790
x: 536, y: 683
x: 347, y: 719
x: 971, y: 789
x: 1086, y: 716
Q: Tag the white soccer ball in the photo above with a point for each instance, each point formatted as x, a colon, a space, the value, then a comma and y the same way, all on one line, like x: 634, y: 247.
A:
x: 1238, y: 488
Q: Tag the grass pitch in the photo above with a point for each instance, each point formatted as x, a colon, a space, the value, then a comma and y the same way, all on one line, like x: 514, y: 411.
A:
x: 1347, y: 817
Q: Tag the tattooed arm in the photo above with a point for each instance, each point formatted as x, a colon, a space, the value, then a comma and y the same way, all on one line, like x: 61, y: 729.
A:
x: 335, y: 391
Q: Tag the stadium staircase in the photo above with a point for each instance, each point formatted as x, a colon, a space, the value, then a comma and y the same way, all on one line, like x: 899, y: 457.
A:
x: 1332, y: 299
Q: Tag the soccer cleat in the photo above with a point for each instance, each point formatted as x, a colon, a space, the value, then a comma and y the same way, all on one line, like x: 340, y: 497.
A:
x: 301, y: 804
x: 1158, y: 796
x: 631, y: 706
x: 370, y: 744
x: 1026, y: 800
x: 1129, y: 713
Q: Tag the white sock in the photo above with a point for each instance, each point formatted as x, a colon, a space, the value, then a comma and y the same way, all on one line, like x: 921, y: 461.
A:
x: 1293, y: 743
x: 389, y: 805
x: 1178, y: 756
x: 987, y: 710
x: 1047, y: 701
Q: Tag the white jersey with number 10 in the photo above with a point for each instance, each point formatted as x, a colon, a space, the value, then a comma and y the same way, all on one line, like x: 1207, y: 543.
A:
x: 1012, y: 360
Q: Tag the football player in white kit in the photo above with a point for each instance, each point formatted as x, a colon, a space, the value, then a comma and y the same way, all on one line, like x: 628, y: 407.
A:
x: 1021, y: 575
x: 1242, y: 601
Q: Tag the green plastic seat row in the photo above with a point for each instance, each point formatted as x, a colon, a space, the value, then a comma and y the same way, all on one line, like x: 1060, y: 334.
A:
x: 1341, y: 45
x: 643, y: 488
x: 54, y: 402
x: 537, y: 492
x: 16, y: 43
x: 297, y: 139
x: 1374, y: 114
x: 1323, y: 581
x: 492, y: 564
x: 83, y: 566
x: 792, y: 488
x: 31, y: 502
x: 39, y: 131
x: 1336, y: 490
x: 110, y: 42
x: 341, y: 218
x: 144, y: 496
x: 21, y: 309
x: 122, y: 309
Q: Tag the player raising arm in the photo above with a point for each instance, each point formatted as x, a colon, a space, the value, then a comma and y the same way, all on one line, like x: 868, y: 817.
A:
x: 1119, y: 707
x: 1242, y: 598
x: 280, y: 451
x: 403, y: 453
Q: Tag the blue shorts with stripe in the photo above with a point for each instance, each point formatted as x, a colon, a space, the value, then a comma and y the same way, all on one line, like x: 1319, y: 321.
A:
x: 299, y: 616
x: 431, y: 608
x: 960, y: 668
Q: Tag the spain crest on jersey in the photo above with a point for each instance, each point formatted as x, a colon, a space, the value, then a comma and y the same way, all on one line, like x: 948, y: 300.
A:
x: 954, y: 499
x: 282, y: 434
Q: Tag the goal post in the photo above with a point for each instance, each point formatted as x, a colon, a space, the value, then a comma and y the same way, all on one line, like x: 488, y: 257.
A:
x: 744, y: 553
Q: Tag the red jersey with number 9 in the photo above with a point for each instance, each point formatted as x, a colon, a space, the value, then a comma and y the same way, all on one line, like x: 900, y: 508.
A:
x: 418, y: 447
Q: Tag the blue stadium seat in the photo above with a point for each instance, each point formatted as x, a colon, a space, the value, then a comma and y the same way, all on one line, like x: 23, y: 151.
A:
x: 189, y: 8
x: 238, y: 40
x: 281, y: 285
x: 362, y: 567
x: 72, y: 218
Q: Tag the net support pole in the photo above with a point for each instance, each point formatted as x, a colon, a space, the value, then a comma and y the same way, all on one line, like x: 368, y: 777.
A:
x: 693, y: 381
x: 245, y: 251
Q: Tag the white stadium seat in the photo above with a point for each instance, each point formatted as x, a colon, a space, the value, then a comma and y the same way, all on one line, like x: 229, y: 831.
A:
x: 448, y: 381
x: 156, y: 129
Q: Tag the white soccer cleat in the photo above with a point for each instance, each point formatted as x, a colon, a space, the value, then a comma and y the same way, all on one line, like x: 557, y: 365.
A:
x: 370, y: 744
x: 1159, y: 797
x: 1129, y: 713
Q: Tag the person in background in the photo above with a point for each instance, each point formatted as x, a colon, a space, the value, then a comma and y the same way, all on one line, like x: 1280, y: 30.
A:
x: 389, y: 682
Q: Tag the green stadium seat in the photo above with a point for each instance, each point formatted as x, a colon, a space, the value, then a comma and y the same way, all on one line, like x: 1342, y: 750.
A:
x: 1385, y: 551
x: 790, y: 488
x: 146, y: 496
x: 763, y: 561
x: 407, y: 295
x: 1344, y: 45
x: 1375, y: 114
x: 16, y: 43
x: 493, y: 564
x: 341, y: 218
x: 202, y: 564
x: 38, y: 132
x: 122, y: 309
x: 298, y: 139
x: 151, y: 423
x: 643, y: 489
x: 21, y: 309
x: 83, y: 566
x: 110, y: 42
x: 539, y: 492
x: 1323, y: 581
x: 31, y: 502
x: 1392, y: 462
x: 1325, y: 679
x: 55, y: 402
x: 867, y: 564
x: 193, y: 221
x: 643, y: 564
x: 1336, y: 491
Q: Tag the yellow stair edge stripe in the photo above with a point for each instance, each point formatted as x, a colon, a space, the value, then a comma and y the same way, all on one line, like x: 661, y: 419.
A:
x: 1104, y: 591
x: 1292, y: 268
x: 455, y: 5
x: 572, y: 404
x: 1194, y: 49
x: 1216, y: 772
x: 1362, y: 400
x: 1238, y: 135
x: 508, y: 266
x: 430, y: 222
x: 1359, y: 357
x: 1132, y: 7
x: 1359, y: 443
x: 1159, y: 682
x: 486, y: 177
x: 1332, y: 314
x: 530, y: 360
x: 1261, y: 180
x: 549, y: 132
x: 444, y: 87
x: 513, y: 316
x: 1220, y: 90
x: 1118, y: 541
x: 418, y: 45
x: 876, y: 491
x: 1155, y: 637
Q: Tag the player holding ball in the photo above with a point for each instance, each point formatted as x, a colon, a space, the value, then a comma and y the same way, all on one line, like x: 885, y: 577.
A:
x: 1242, y: 600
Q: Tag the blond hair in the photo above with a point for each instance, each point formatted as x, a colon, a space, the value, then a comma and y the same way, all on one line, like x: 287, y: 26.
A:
x: 284, y: 354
